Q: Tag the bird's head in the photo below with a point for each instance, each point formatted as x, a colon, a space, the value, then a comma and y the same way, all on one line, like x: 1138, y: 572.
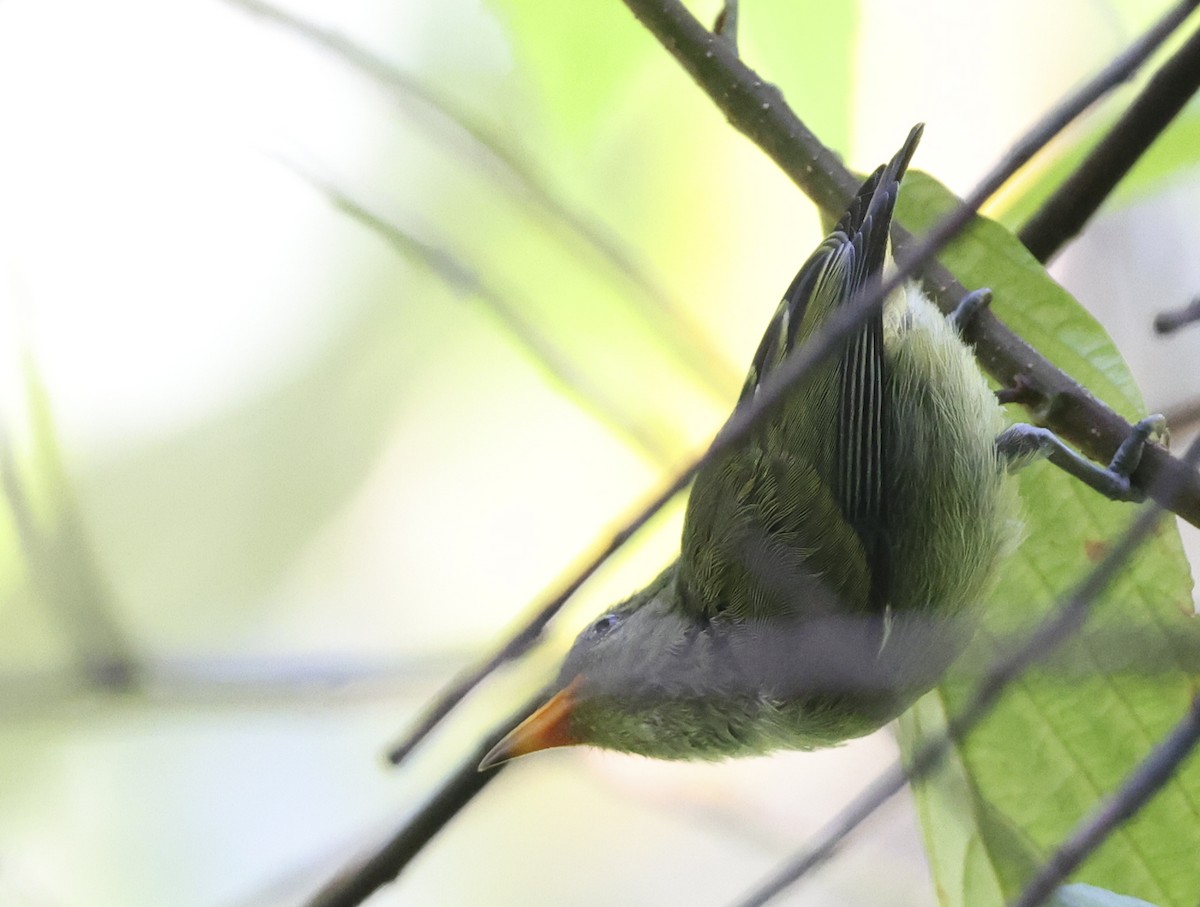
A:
x: 625, y: 678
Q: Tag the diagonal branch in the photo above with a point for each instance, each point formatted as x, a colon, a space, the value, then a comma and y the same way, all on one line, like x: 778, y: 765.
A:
x: 354, y: 884
x: 1077, y: 198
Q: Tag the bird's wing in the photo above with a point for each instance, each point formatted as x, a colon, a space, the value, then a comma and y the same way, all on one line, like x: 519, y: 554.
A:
x: 795, y: 519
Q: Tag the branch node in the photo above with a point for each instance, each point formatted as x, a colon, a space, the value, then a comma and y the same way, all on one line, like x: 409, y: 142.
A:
x: 1024, y: 392
x: 726, y: 25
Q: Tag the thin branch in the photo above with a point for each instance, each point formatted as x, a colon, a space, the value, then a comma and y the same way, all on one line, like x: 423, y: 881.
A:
x: 356, y: 883
x: 1078, y: 197
x: 530, y: 630
x: 1171, y: 321
x: 1054, y: 630
x: 558, y: 367
x: 726, y: 25
x: 1154, y: 771
x: 673, y: 323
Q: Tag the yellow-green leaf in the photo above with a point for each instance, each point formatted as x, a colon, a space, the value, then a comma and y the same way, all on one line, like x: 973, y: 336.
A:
x: 1067, y: 734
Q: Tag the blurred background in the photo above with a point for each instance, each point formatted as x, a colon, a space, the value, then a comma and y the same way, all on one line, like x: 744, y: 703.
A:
x: 324, y: 352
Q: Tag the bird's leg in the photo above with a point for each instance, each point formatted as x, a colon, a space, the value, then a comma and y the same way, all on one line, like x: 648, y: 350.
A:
x: 967, y: 307
x: 1021, y: 444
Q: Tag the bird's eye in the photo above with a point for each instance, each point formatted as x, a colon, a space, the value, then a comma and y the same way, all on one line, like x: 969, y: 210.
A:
x: 603, y: 625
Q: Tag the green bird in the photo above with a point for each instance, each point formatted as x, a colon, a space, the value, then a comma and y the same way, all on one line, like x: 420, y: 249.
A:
x: 826, y: 561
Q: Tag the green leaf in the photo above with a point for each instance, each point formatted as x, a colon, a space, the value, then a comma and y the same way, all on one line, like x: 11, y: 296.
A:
x: 1067, y: 734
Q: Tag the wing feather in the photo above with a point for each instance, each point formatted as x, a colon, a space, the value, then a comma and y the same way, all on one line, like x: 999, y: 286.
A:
x: 795, y: 520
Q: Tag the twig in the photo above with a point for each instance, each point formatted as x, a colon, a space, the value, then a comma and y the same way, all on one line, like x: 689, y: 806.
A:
x: 1055, y: 629
x: 1151, y: 774
x: 674, y: 326
x: 1078, y: 197
x: 726, y: 25
x: 1171, y: 321
x: 356, y: 883
x: 531, y: 630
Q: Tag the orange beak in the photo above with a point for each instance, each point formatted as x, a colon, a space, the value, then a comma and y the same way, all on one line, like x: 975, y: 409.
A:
x: 548, y: 727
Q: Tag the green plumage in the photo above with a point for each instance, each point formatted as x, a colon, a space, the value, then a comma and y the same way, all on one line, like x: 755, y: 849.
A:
x: 820, y: 559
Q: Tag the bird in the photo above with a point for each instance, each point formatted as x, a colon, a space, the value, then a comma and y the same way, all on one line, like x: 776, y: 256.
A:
x: 830, y: 561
